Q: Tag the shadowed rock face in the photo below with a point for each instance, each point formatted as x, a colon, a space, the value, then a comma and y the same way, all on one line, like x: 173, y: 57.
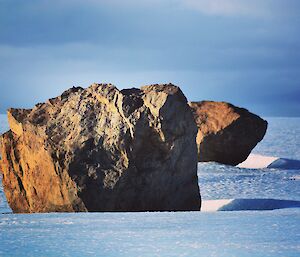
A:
x: 226, y: 134
x: 101, y: 149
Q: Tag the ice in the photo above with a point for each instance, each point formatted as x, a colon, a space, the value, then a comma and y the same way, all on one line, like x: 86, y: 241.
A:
x: 296, y: 177
x: 4, y: 208
x: 272, y: 233
x: 214, y: 205
x: 3, y: 123
x: 224, y: 230
x: 257, y: 161
x: 227, y: 182
x: 287, y: 164
x: 247, y: 205
x: 282, y: 139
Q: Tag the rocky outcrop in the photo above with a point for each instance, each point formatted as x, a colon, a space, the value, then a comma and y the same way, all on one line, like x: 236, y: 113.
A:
x: 226, y: 134
x: 101, y: 149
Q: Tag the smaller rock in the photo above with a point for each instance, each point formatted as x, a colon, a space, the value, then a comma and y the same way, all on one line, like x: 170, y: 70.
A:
x: 226, y: 133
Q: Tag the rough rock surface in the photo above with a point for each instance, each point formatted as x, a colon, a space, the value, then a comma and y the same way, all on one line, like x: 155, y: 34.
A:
x: 226, y: 134
x: 101, y: 149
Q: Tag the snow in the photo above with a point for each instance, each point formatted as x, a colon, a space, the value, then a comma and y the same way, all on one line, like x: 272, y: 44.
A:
x: 282, y: 139
x: 247, y: 205
x: 283, y: 163
x: 233, y: 221
x: 214, y: 205
x: 257, y: 161
x: 3, y: 123
x: 272, y: 233
x: 227, y: 182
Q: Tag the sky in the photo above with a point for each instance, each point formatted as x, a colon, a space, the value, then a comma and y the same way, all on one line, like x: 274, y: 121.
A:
x: 239, y: 51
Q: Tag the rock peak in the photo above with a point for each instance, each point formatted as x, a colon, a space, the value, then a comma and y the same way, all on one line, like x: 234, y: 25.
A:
x: 102, y: 149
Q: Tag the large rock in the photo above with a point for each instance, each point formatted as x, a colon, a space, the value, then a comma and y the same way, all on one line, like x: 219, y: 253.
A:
x: 101, y: 149
x: 226, y: 134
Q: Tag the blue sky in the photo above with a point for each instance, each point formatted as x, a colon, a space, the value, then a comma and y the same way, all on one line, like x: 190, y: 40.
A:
x: 243, y: 52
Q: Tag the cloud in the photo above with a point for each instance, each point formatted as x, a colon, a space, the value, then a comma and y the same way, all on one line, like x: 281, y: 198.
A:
x: 247, y: 8
x: 238, y: 51
x: 227, y: 8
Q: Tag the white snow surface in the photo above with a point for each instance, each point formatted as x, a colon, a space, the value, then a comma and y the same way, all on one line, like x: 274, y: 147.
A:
x: 257, y: 161
x: 282, y: 139
x: 214, y: 205
x: 250, y: 210
x: 247, y: 234
x: 247, y: 205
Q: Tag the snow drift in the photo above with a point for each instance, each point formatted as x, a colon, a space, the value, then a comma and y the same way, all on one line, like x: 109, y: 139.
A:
x: 247, y: 205
x: 256, y: 161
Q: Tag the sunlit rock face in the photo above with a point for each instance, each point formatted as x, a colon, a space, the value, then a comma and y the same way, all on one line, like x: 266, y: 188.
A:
x: 226, y: 133
x: 102, y: 149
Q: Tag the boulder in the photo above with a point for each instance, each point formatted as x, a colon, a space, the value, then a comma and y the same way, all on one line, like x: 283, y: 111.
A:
x: 226, y: 133
x: 102, y: 149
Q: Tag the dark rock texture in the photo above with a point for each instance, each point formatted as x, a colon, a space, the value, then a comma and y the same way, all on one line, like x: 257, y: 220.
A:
x: 101, y: 149
x: 226, y: 134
